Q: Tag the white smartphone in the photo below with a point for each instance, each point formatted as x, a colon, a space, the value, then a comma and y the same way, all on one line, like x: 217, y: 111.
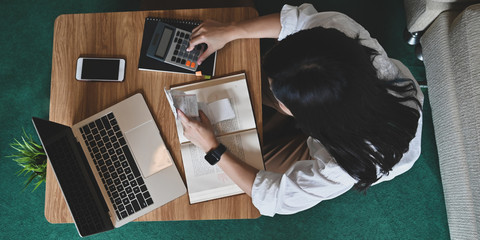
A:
x: 100, y: 69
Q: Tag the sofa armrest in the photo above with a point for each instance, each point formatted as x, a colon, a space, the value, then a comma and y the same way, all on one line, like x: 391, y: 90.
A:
x: 421, y: 13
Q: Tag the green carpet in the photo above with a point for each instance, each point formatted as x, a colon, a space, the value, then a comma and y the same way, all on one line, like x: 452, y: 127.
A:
x: 409, y: 207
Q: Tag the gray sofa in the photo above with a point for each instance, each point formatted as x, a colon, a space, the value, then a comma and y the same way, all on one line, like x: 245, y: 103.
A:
x: 451, y: 53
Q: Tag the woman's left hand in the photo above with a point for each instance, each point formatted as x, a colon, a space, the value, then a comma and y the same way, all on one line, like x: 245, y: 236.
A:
x: 200, y: 132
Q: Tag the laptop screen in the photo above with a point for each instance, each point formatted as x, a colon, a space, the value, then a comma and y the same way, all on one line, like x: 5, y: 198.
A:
x: 75, y: 177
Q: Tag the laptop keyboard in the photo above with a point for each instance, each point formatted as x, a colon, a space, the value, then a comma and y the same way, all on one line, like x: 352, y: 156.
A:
x: 116, y: 166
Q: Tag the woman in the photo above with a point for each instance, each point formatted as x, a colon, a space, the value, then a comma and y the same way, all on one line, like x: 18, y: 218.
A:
x: 360, y: 109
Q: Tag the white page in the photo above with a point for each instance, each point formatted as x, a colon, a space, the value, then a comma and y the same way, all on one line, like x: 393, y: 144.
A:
x: 168, y: 94
x: 207, y: 182
x: 221, y: 110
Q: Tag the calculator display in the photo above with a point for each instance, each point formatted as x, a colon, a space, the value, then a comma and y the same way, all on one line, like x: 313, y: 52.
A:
x: 163, y: 45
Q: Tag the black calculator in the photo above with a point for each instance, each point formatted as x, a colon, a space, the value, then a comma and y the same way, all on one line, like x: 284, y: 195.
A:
x: 169, y: 44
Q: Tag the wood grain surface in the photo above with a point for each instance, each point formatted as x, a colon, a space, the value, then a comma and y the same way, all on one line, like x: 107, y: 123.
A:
x: 120, y: 35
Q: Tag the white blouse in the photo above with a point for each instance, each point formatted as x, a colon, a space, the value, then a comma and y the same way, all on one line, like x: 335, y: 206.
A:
x: 309, y: 182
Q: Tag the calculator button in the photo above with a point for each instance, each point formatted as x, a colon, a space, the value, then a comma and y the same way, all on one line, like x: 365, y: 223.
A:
x: 177, y: 46
x: 175, y: 52
x: 182, y: 35
x: 188, y: 63
x: 178, y: 60
x: 192, y: 65
x: 178, y: 33
x: 174, y: 58
x: 183, y: 61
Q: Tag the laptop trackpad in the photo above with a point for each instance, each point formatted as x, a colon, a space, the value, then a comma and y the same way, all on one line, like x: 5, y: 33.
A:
x: 148, y: 149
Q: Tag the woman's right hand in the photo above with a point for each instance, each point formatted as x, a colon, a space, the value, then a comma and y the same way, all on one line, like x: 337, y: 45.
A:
x: 214, y: 34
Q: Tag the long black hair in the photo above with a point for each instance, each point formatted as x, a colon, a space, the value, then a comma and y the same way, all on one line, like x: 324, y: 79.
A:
x: 328, y: 81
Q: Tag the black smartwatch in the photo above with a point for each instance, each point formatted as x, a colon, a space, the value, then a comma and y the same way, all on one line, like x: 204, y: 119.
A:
x: 213, y: 156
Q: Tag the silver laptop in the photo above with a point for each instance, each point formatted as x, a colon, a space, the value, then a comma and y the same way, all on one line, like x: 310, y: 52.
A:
x: 112, y: 167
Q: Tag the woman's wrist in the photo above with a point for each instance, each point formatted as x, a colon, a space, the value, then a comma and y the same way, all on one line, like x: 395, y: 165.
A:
x: 236, y: 31
x: 210, y: 146
x: 267, y: 26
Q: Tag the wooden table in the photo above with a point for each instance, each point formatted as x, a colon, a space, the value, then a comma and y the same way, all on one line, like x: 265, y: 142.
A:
x: 120, y: 35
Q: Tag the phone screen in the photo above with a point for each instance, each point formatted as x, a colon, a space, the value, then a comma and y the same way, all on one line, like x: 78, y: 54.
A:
x: 106, y: 69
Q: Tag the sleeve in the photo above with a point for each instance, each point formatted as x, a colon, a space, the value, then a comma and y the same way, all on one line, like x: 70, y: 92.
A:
x: 294, y: 18
x: 303, y: 186
x: 305, y: 16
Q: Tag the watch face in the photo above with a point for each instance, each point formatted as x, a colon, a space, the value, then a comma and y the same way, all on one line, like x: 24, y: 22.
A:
x: 214, y: 155
x: 211, y: 159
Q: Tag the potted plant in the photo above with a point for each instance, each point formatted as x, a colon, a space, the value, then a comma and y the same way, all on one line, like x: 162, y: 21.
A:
x: 32, y: 158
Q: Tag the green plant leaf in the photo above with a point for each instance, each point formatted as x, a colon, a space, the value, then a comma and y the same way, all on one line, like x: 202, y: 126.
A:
x: 31, y: 157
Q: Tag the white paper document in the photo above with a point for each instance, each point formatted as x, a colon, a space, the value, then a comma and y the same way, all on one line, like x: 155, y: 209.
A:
x: 216, y: 111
